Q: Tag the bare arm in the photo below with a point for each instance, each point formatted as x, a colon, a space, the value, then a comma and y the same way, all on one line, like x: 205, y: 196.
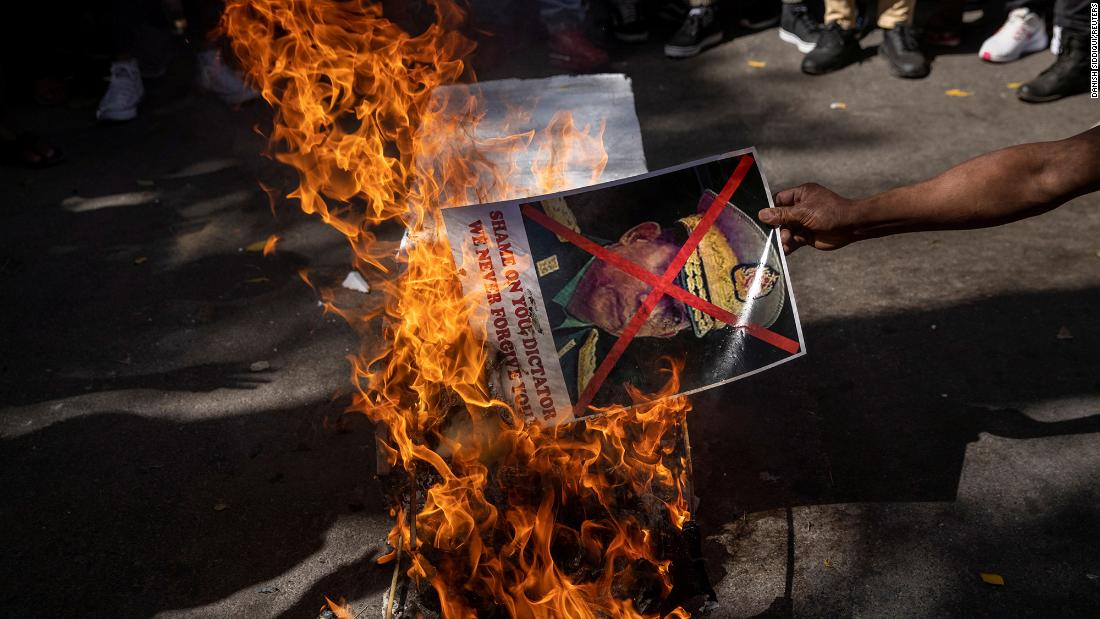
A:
x: 995, y: 188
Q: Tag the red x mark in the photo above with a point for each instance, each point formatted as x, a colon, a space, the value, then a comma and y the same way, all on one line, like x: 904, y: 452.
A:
x: 662, y: 285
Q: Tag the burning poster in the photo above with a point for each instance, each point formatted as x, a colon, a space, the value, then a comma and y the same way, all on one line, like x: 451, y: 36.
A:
x: 583, y: 293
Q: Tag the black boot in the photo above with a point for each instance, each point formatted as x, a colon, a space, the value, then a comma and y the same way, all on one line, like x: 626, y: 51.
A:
x: 836, y: 48
x: 699, y: 31
x: 901, y: 49
x: 1069, y: 75
x: 627, y: 24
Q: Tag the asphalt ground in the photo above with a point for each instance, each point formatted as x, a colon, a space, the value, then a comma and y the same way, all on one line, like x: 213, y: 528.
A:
x: 944, y: 423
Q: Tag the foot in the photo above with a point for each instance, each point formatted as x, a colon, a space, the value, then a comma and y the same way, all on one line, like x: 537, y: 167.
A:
x: 217, y: 77
x: 124, y: 93
x: 836, y: 48
x: 699, y: 31
x: 570, y: 49
x: 798, y: 27
x: 1069, y: 75
x: 1022, y: 33
x: 626, y: 24
x: 902, y: 51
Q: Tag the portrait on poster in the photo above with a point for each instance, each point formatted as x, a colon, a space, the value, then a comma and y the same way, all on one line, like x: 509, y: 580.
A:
x: 617, y: 278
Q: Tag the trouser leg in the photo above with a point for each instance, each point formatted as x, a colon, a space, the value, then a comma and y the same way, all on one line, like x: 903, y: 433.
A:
x: 556, y: 11
x: 843, y: 12
x: 893, y: 13
x: 1041, y: 7
x: 1072, y: 16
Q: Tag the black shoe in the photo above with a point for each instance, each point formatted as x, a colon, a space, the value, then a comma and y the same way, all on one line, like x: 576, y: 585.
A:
x: 699, y: 31
x: 836, y: 48
x: 901, y: 49
x: 626, y: 24
x: 1069, y: 75
x: 798, y: 27
x: 758, y: 16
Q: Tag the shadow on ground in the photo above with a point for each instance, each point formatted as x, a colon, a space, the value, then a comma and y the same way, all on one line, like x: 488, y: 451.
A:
x: 117, y: 515
x: 888, y: 414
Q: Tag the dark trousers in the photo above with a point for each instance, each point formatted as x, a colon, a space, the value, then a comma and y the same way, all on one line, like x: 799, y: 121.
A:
x: 1071, y: 15
x: 135, y: 20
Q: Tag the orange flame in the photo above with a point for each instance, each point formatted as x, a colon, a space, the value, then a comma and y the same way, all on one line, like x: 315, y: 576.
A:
x: 340, y: 609
x: 355, y: 115
x: 269, y: 245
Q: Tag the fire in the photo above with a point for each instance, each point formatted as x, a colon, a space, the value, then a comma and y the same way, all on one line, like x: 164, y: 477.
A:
x: 540, y: 523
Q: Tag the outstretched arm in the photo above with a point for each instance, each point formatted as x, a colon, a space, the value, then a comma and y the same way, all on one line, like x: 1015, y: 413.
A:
x: 995, y: 188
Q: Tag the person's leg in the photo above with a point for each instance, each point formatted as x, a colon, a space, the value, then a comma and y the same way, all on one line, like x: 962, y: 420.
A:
x: 22, y: 149
x: 569, y: 47
x: 944, y: 27
x: 216, y: 73
x: 798, y: 26
x: 841, y: 12
x: 837, y: 46
x: 899, y: 43
x: 1069, y: 75
x: 627, y: 23
x: 1072, y: 16
x: 892, y: 13
x: 699, y: 31
x: 126, y: 89
x: 559, y: 11
x: 758, y: 14
x: 1024, y: 31
x: 1042, y: 7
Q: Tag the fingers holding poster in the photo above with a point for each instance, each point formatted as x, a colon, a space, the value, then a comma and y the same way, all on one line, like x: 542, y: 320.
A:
x: 610, y: 279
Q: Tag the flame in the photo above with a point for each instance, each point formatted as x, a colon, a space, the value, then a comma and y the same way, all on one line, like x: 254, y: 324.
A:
x: 269, y: 245
x: 340, y: 609
x: 545, y: 523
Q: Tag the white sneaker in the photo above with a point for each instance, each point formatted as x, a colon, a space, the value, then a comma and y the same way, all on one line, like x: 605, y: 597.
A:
x: 1056, y: 41
x: 123, y: 95
x: 219, y: 78
x: 1023, y: 32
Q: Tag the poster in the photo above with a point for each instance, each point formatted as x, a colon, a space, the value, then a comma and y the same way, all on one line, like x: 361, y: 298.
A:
x: 584, y: 292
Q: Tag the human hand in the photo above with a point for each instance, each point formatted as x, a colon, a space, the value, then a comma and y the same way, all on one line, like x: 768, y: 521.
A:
x: 812, y: 215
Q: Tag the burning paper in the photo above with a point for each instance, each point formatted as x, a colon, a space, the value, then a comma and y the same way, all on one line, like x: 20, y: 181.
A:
x: 494, y: 517
x: 583, y: 293
x: 566, y: 156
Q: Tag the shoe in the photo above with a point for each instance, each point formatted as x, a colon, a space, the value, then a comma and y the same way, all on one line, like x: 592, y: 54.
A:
x: 217, y: 77
x: 626, y: 25
x: 836, y: 48
x: 124, y: 93
x: 901, y: 49
x: 798, y: 27
x: 1069, y: 75
x: 699, y: 31
x: 1056, y: 40
x: 1022, y: 33
x: 571, y: 50
x: 759, y: 15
